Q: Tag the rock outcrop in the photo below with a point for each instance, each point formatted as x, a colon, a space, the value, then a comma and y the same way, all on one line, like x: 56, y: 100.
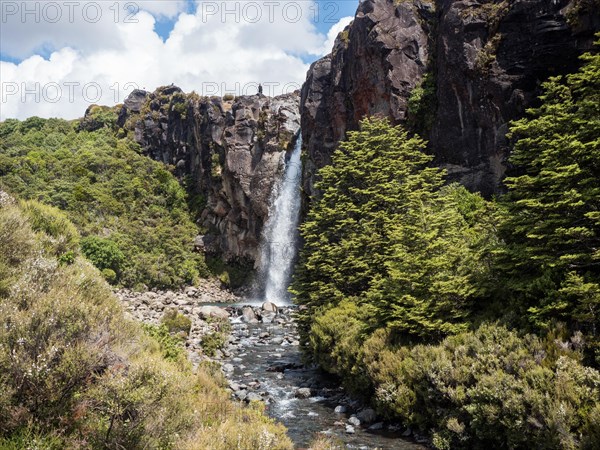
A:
x: 486, y: 60
x: 229, y: 153
x: 375, y: 64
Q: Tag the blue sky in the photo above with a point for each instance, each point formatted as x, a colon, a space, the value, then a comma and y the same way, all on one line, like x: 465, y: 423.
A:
x: 56, y: 58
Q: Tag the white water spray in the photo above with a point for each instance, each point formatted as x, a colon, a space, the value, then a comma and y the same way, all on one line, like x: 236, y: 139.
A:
x: 281, y: 230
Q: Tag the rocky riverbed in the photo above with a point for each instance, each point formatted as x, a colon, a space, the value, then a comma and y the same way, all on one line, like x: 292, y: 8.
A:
x: 262, y: 362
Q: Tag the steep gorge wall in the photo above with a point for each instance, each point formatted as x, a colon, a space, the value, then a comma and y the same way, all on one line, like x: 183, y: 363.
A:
x: 486, y: 59
x: 228, y: 152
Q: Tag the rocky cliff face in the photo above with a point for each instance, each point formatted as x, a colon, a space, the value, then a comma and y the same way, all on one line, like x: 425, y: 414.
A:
x: 484, y: 61
x: 229, y: 153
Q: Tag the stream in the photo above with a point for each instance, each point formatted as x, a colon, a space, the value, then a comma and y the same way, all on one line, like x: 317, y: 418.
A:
x: 264, y: 363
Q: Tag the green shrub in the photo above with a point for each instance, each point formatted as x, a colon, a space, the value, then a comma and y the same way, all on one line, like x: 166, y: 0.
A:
x: 482, y: 389
x: 176, y: 322
x: 103, y: 253
x: 62, y: 236
x: 107, y: 188
x: 109, y: 275
x: 75, y: 373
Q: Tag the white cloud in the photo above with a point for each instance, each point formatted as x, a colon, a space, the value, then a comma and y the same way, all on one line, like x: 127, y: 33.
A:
x: 207, y: 51
x: 333, y: 33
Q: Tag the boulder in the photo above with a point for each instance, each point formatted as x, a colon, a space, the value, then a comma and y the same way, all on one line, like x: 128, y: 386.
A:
x: 354, y: 421
x: 303, y: 393
x: 212, y: 311
x: 248, y: 315
x: 367, y: 416
x: 270, y: 307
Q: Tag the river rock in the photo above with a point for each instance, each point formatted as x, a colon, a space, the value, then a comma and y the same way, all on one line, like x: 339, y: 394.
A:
x: 270, y: 307
x: 367, y: 416
x: 248, y: 315
x: 354, y: 421
x: 253, y: 397
x: 303, y: 393
x: 350, y: 429
x: 340, y: 409
x: 212, y: 311
x: 376, y: 426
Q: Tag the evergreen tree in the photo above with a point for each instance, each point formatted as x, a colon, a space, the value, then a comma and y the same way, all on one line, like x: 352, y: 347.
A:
x: 441, y: 255
x: 553, y: 222
x: 376, y: 174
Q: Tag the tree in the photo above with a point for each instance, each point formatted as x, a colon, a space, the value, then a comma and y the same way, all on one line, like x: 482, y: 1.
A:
x: 441, y: 254
x: 376, y: 173
x: 553, y: 223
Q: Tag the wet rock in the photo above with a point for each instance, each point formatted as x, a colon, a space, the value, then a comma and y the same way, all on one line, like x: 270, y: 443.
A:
x: 303, y: 393
x: 283, y: 366
x: 269, y: 307
x: 248, y: 315
x: 268, y: 317
x: 340, y: 409
x: 253, y: 397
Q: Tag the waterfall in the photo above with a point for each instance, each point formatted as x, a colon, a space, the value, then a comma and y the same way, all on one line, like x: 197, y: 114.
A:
x: 280, y: 234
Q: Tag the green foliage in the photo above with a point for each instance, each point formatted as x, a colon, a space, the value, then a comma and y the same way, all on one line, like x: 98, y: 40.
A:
x: 74, y: 373
x: 365, y: 192
x: 441, y: 255
x: 385, y: 235
x: 486, y: 389
x: 216, y: 339
x: 62, y: 236
x: 421, y: 106
x: 103, y: 253
x: 176, y: 322
x: 552, y: 224
x: 171, y: 346
x: 336, y: 338
x: 108, y: 190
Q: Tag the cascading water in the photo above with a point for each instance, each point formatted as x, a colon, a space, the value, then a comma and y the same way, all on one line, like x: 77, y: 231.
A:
x: 280, y: 235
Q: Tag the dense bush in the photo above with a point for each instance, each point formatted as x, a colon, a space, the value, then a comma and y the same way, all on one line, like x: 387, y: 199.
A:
x: 109, y: 191
x: 488, y: 389
x: 74, y: 373
x: 551, y: 262
x: 216, y: 339
x: 176, y: 322
x: 401, y: 276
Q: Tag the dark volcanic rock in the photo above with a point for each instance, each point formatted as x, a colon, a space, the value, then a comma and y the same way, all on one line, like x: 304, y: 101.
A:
x: 231, y: 151
x: 488, y: 58
x: 491, y: 59
x: 375, y: 64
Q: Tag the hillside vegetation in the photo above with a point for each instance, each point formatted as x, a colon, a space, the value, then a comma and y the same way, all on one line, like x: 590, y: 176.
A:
x: 130, y: 210
x: 473, y: 321
x: 74, y: 373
